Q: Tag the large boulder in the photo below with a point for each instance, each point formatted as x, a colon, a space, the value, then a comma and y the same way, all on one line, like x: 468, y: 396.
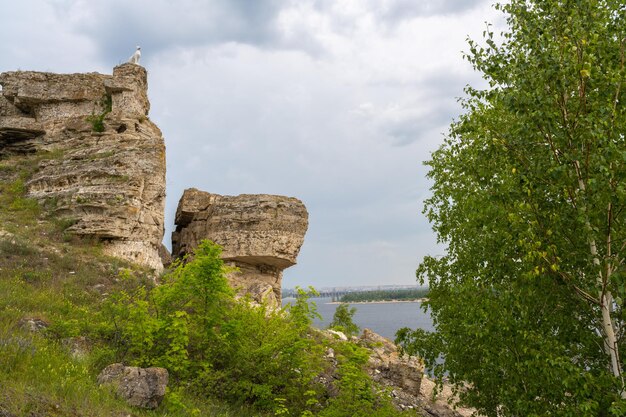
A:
x: 105, y: 172
x: 140, y: 387
x: 260, y: 234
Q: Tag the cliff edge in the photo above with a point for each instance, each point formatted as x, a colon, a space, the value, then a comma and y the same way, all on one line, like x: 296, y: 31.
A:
x: 108, y: 176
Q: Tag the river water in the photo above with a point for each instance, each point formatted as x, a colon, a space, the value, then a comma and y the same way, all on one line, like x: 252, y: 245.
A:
x: 383, y: 318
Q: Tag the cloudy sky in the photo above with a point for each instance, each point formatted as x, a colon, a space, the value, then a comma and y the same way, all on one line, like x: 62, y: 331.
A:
x: 335, y: 102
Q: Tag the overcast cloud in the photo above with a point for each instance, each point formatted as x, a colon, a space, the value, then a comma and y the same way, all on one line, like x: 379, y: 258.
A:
x: 336, y: 102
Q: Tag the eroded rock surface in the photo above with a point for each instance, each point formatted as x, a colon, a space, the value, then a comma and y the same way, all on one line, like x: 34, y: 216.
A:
x: 260, y: 234
x: 404, y: 375
x: 399, y: 376
x: 109, y: 184
x: 387, y: 366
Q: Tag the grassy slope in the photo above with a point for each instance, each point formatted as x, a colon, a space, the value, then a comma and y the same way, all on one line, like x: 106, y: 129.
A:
x: 49, y: 275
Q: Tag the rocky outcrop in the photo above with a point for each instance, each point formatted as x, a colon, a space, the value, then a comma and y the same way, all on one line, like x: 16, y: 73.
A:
x: 441, y: 402
x: 410, y: 388
x: 260, y: 234
x: 140, y: 387
x: 105, y: 171
x: 387, y: 366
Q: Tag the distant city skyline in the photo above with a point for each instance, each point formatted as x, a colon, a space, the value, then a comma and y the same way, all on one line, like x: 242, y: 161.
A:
x: 356, y: 288
x: 335, y: 102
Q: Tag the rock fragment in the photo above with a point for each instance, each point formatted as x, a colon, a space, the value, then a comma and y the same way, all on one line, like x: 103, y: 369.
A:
x: 140, y: 387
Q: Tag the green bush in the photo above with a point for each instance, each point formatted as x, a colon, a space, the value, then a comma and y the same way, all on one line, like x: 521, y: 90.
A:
x: 217, y: 346
x: 193, y: 326
x: 97, y: 120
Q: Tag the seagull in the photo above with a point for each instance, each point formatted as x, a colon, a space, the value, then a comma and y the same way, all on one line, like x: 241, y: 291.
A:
x: 135, y: 58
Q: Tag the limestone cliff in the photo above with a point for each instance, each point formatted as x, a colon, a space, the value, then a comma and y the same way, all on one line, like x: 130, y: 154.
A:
x: 260, y: 234
x: 110, y: 177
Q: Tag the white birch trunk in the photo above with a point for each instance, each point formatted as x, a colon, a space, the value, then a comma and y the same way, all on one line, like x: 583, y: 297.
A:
x: 608, y: 331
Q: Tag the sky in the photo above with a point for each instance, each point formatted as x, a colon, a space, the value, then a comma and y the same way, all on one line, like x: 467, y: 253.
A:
x: 335, y: 102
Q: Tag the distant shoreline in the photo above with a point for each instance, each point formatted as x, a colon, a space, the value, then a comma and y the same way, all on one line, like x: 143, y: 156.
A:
x: 417, y: 300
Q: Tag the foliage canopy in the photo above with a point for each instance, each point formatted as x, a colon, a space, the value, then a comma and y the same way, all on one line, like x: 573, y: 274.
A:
x: 529, y: 196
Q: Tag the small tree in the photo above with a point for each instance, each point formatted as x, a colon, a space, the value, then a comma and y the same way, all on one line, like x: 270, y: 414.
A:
x: 342, y: 320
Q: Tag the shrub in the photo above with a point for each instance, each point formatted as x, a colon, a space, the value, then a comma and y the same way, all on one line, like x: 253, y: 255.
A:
x: 193, y: 326
x: 97, y: 120
x: 342, y: 320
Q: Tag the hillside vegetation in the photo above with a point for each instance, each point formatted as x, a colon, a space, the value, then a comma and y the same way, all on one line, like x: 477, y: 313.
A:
x: 67, y: 311
x: 61, y: 283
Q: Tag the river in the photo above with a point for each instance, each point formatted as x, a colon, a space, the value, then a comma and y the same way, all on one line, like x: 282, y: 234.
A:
x: 383, y: 318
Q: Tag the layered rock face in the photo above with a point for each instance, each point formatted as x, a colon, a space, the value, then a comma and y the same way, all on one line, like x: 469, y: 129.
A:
x: 260, y: 234
x: 388, y: 366
x: 106, y: 170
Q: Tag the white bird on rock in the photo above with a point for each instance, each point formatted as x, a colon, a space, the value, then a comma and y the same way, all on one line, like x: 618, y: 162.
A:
x: 135, y: 58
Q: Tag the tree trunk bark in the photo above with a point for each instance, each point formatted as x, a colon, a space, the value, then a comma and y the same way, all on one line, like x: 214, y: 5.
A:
x: 606, y: 299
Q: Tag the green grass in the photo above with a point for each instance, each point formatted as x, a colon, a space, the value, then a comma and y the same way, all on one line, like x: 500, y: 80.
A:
x: 39, y: 378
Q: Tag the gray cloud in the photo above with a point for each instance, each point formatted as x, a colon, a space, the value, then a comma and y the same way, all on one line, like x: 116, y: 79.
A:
x: 429, y: 113
x: 33, y: 39
x: 158, y: 25
x: 404, y: 9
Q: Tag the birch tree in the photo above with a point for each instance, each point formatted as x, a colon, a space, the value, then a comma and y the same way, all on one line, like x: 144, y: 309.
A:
x: 529, y: 198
